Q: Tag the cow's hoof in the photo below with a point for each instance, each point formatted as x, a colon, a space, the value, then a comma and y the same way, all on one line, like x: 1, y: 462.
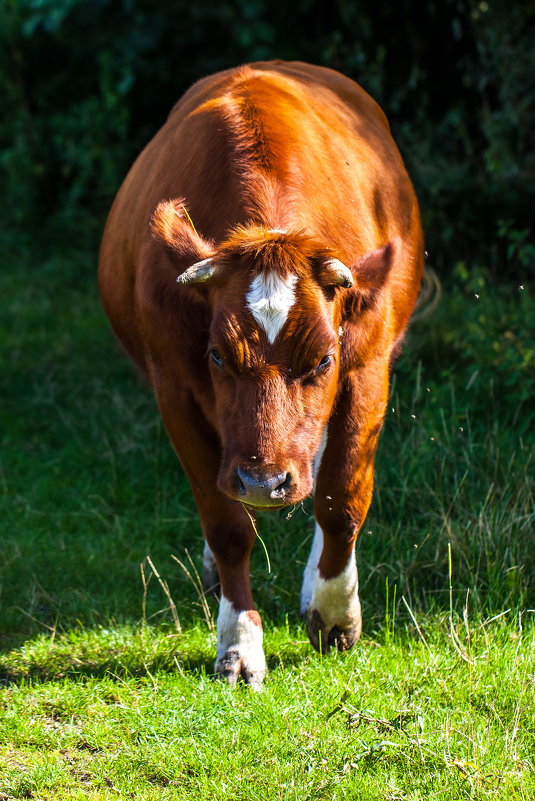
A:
x: 340, y: 636
x: 231, y: 667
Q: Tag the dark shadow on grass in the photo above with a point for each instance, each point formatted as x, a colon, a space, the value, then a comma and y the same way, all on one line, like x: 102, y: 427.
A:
x: 196, y: 666
x: 78, y: 669
x: 130, y: 651
x: 126, y: 650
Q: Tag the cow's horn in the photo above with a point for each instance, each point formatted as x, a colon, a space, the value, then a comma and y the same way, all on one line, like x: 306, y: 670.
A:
x: 338, y: 274
x: 198, y: 272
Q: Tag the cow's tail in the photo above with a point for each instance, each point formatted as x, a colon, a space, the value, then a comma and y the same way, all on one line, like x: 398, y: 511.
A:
x: 429, y: 296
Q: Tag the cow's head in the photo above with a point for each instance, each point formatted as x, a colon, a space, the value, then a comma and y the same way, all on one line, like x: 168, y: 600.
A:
x: 278, y: 301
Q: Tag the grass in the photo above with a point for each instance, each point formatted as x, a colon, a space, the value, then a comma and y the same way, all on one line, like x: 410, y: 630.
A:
x: 399, y: 717
x: 106, y: 668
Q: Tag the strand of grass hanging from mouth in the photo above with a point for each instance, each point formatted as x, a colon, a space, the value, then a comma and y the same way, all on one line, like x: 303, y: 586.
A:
x: 259, y: 537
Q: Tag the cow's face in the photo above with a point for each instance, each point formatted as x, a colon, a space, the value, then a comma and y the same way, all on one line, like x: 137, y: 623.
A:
x: 274, y: 361
x: 273, y: 354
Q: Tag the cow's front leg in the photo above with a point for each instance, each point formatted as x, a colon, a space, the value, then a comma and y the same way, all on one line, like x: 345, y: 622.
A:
x: 331, y: 603
x: 229, y: 534
x: 330, y: 597
x: 239, y: 627
x: 239, y: 645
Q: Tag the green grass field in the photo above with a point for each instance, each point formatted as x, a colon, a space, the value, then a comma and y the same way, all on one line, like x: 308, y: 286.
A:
x: 106, y: 649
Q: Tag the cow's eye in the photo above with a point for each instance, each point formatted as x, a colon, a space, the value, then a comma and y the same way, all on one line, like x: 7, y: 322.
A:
x: 324, y: 364
x: 216, y: 357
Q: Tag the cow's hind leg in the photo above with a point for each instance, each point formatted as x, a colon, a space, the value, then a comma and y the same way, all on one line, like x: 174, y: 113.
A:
x: 311, y: 569
x: 210, y: 576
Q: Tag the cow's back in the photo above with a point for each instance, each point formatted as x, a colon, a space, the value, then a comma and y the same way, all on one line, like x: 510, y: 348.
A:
x: 309, y: 141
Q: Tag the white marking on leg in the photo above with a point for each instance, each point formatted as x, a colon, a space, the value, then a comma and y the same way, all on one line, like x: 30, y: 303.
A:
x: 270, y: 298
x: 311, y: 569
x: 337, y: 599
x: 239, y: 640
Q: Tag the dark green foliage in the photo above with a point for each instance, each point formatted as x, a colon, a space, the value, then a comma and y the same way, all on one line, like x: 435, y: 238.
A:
x: 86, y: 83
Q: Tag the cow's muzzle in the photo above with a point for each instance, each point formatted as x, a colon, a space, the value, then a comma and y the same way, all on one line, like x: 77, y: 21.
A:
x: 263, y: 487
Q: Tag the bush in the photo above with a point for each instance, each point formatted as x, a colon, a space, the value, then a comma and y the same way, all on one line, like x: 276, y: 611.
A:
x: 87, y: 82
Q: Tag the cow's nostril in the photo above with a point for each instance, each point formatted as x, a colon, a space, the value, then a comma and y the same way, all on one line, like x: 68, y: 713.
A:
x: 242, y: 489
x: 261, y: 487
x: 281, y: 490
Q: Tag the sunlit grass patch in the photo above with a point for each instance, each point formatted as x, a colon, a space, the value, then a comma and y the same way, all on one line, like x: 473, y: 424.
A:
x: 446, y: 717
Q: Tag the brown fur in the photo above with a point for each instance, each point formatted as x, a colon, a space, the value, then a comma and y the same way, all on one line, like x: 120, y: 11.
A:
x: 267, y: 146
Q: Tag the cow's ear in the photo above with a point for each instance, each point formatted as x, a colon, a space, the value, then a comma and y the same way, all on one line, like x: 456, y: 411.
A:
x: 371, y: 271
x: 172, y: 226
x: 370, y: 274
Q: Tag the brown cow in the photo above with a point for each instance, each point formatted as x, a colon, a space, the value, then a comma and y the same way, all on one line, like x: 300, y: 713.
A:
x: 259, y: 266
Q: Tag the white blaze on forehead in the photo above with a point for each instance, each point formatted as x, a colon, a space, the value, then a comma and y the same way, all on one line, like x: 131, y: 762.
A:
x: 270, y: 298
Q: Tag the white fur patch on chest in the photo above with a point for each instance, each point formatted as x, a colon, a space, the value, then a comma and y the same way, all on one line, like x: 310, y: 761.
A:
x: 270, y: 299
